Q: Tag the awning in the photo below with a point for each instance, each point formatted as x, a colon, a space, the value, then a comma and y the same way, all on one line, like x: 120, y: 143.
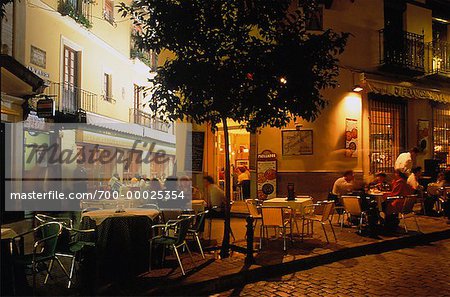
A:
x: 427, y: 90
x: 17, y: 80
x: 162, y: 138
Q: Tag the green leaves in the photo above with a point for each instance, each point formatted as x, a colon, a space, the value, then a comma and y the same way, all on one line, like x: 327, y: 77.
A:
x: 217, y: 44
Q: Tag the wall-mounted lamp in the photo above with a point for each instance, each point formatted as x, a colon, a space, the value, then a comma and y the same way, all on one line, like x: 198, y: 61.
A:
x: 357, y: 88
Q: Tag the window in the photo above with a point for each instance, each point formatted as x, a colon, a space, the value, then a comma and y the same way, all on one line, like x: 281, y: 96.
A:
x: 7, y: 29
x: 314, y: 19
x: 107, y: 87
x: 387, y: 133
x: 108, y: 11
x: 441, y: 133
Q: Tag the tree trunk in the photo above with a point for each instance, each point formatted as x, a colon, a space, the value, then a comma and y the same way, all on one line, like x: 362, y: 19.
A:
x: 225, y: 251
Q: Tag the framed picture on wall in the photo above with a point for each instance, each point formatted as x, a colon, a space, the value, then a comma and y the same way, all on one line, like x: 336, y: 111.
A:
x: 423, y: 134
x: 297, y: 142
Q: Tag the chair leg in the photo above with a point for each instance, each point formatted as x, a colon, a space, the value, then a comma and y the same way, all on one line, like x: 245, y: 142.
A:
x: 199, y: 245
x: 50, y: 266
x: 33, y: 268
x: 62, y: 267
x: 72, y: 268
x: 284, y: 238
x: 179, y: 260
x: 332, y: 229
x: 404, y: 223
x: 190, y: 254
x: 417, y: 223
x: 325, y: 232
x: 261, y: 234
x: 303, y: 228
x: 150, y: 256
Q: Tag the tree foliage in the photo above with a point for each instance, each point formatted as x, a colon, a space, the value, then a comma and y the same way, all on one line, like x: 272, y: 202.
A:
x: 252, y: 61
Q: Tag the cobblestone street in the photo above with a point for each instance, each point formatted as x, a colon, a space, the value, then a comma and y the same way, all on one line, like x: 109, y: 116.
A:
x: 418, y: 271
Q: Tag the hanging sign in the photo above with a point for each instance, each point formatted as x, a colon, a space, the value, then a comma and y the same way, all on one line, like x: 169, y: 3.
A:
x: 45, y: 108
x: 267, y: 175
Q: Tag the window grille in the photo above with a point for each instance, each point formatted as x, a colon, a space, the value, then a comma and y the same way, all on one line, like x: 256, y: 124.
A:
x: 441, y: 133
x: 387, y: 132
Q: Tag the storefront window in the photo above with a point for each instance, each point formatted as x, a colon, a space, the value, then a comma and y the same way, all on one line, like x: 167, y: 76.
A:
x: 441, y: 133
x: 387, y: 133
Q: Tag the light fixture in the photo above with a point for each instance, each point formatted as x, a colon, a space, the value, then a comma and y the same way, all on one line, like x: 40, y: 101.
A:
x: 357, y: 88
x: 283, y: 80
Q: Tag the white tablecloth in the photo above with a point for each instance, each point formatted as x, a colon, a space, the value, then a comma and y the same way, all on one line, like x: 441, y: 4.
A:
x: 298, y: 205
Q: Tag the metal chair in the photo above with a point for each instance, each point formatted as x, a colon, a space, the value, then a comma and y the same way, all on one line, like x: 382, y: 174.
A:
x: 178, y: 240
x: 275, y: 217
x: 196, y: 229
x: 352, y: 207
x: 407, y: 211
x: 44, y: 250
x: 68, y: 249
x: 311, y: 217
x: 253, y: 211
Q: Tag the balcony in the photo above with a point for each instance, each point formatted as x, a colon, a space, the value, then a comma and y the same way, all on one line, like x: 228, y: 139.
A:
x: 79, y: 10
x: 402, y: 51
x: 71, y: 99
x: 438, y: 58
x: 144, y: 119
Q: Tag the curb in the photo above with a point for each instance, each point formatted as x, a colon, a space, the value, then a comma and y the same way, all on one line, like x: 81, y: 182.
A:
x: 243, y: 277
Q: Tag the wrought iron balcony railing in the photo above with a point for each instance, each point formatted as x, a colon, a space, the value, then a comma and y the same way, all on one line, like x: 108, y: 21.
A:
x: 71, y: 99
x: 438, y: 58
x: 79, y: 10
x: 402, y: 50
x: 144, y: 119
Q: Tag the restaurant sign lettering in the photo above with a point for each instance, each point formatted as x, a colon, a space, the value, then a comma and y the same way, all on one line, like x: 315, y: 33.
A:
x: 407, y: 92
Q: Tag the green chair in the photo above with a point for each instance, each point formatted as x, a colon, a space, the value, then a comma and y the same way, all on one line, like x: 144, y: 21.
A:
x: 44, y: 250
x: 69, y: 245
x: 172, y: 242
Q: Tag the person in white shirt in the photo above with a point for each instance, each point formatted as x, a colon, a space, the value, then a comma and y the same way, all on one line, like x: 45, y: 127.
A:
x: 405, y: 161
x: 344, y: 185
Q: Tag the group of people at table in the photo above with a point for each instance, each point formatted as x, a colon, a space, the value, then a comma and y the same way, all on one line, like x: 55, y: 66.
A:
x: 405, y: 182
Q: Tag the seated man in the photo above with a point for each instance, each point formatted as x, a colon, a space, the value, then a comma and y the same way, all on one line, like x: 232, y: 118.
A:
x: 413, y: 180
x: 380, y: 182
x: 215, y: 197
x: 344, y: 185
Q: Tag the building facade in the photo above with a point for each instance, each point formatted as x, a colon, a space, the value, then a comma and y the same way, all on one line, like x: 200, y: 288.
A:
x: 393, y: 94
x: 84, y: 52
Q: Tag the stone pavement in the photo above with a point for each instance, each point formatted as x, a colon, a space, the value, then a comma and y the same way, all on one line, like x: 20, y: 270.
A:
x: 215, y: 275
x: 419, y: 271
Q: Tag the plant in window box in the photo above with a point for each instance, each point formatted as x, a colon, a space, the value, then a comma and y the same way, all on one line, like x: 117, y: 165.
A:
x: 67, y: 8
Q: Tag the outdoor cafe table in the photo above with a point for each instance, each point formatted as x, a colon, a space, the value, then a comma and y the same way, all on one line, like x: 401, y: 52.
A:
x: 122, y: 241
x: 378, y: 196
x: 298, y: 205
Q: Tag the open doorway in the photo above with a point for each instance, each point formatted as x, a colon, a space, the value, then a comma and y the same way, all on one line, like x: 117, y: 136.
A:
x: 239, y: 160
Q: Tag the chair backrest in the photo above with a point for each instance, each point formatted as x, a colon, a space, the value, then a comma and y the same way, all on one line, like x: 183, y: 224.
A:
x: 328, y: 209
x: 50, y: 233
x: 352, y: 205
x: 273, y: 216
x: 149, y: 206
x: 182, y: 228
x: 446, y: 192
x: 42, y: 219
x: 199, y: 219
x: 434, y: 190
x: 252, y: 208
x: 408, y: 205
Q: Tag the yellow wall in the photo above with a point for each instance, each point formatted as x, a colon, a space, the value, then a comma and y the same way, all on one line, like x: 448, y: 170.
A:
x: 102, y: 49
x: 418, y: 20
x: 328, y: 134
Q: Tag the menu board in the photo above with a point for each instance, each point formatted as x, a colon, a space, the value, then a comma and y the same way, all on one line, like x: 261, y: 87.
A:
x: 267, y: 175
x: 198, y: 145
